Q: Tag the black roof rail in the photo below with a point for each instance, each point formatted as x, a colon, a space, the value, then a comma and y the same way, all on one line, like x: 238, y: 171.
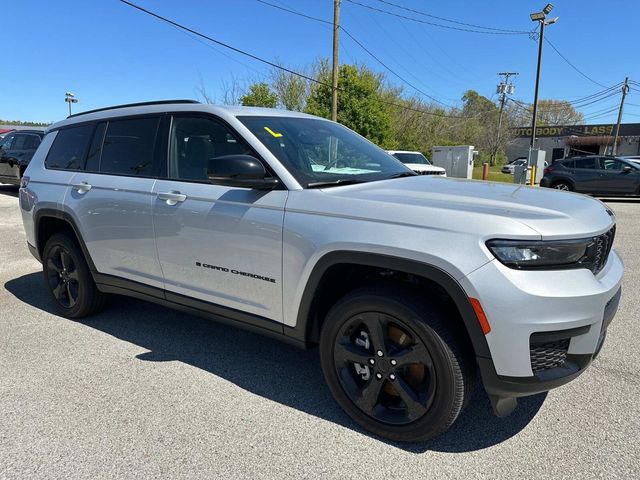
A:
x: 140, y: 104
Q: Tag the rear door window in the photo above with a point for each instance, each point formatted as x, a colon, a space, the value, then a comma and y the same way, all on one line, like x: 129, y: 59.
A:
x: 69, y: 148
x: 590, y: 163
x: 128, y: 147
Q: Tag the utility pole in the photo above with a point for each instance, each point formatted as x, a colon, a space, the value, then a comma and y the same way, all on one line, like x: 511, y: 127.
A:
x: 334, y: 76
x: 503, y: 89
x: 541, y: 18
x: 625, y: 90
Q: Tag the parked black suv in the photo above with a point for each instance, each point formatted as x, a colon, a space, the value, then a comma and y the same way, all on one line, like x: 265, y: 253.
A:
x: 594, y: 174
x: 16, y: 150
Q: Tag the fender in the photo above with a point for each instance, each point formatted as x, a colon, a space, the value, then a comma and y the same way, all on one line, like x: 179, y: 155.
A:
x: 304, y: 329
x: 60, y: 215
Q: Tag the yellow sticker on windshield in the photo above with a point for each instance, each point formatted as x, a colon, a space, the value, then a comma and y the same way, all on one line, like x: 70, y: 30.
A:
x: 275, y: 134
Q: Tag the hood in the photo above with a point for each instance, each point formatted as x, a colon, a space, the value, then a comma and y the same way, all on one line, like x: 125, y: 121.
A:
x: 487, y: 208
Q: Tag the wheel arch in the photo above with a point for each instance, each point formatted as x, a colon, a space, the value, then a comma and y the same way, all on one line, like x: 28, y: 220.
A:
x: 48, y: 221
x: 308, y: 324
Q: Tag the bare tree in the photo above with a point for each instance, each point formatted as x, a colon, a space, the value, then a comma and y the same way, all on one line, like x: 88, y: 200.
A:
x: 201, y: 91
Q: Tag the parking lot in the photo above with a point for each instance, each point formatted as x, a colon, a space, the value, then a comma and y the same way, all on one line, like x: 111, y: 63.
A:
x: 145, y: 392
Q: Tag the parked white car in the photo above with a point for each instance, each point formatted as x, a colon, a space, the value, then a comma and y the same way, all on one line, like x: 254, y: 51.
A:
x: 417, y: 162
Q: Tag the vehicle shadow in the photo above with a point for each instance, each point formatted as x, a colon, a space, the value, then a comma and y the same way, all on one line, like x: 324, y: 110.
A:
x: 9, y: 190
x: 265, y: 366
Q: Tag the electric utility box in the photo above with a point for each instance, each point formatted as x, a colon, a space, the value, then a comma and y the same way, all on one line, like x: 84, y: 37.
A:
x: 536, y: 158
x: 457, y: 160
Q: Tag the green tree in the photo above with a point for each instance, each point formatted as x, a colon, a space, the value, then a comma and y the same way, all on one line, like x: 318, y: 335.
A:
x: 292, y: 91
x: 259, y: 95
x: 361, y: 104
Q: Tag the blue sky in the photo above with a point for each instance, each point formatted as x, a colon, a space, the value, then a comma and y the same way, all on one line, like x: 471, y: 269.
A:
x: 108, y: 53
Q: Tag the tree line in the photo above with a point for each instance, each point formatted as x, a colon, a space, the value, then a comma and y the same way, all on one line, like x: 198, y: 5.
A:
x: 386, y: 114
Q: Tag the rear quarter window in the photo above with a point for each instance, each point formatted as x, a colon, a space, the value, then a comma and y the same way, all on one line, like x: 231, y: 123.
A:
x: 69, y: 148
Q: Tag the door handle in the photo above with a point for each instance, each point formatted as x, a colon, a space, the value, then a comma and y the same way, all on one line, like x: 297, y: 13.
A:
x: 172, y: 197
x: 82, y: 187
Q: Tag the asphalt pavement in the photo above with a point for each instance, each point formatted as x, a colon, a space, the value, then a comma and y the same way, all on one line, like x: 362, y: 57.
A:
x: 140, y: 391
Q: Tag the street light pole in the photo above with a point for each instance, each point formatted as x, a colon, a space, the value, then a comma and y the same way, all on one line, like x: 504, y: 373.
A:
x: 70, y: 98
x: 541, y: 18
x: 535, y: 95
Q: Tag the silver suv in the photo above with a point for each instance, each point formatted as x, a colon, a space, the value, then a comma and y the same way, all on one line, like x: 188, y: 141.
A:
x: 296, y: 227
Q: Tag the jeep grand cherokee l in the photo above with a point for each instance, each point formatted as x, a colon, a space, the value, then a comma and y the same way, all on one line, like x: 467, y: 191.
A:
x: 297, y: 227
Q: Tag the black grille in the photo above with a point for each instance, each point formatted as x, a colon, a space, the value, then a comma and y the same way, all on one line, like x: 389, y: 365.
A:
x: 602, y: 247
x: 598, y: 251
x: 429, y: 172
x: 548, y: 354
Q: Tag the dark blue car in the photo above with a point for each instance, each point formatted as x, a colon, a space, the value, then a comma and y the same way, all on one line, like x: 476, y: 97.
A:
x: 595, y: 174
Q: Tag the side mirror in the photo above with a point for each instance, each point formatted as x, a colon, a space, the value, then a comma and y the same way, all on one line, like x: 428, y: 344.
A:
x: 627, y: 169
x: 242, y: 171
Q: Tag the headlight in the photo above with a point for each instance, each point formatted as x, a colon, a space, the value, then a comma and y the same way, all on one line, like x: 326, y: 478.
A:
x: 524, y: 254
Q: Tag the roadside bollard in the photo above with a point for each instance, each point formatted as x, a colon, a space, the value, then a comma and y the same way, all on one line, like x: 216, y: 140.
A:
x: 533, y: 176
x: 485, y: 171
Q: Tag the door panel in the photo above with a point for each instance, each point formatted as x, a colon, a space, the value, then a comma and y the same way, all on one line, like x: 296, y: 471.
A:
x: 115, y: 218
x: 222, y: 245
x: 614, y: 180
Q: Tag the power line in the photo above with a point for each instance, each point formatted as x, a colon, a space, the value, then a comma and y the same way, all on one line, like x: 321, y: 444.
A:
x: 361, y: 45
x: 449, y: 27
x: 572, y: 65
x: 275, y: 65
x: 316, y: 19
x: 425, y: 14
x: 390, y: 70
x: 580, y: 103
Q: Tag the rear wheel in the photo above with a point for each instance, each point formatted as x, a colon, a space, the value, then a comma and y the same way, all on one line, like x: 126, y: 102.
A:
x: 69, y: 279
x: 394, y: 365
x: 562, y: 185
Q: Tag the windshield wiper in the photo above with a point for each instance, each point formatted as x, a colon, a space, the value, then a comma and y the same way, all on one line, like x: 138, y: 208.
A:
x: 334, y: 183
x: 403, y: 174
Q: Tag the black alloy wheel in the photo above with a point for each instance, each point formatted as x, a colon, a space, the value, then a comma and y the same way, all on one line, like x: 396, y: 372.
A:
x: 68, y: 277
x: 384, y: 368
x: 562, y: 186
x: 62, y: 276
x: 397, y: 364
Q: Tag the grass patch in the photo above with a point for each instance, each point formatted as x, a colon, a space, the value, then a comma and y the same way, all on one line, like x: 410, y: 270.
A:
x: 495, y: 175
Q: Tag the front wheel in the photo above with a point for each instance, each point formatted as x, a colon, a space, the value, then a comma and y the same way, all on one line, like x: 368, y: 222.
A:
x: 394, y: 365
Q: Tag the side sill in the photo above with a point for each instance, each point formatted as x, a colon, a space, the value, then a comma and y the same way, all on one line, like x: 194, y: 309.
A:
x: 211, y: 311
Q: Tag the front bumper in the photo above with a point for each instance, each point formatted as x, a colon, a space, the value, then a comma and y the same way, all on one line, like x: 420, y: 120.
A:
x: 542, y: 381
x: 573, y: 307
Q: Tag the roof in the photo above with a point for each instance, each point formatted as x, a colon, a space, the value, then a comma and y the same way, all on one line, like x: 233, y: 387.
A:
x: 223, y: 111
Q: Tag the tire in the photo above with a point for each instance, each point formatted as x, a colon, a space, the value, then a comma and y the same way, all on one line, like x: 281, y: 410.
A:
x: 420, y: 395
x: 563, y: 185
x: 68, y: 278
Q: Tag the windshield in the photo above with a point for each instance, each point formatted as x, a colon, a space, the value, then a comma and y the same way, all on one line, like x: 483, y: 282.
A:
x: 416, y: 158
x: 317, y: 151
